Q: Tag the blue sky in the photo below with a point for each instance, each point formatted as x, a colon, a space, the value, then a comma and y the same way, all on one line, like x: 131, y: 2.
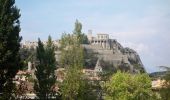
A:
x: 143, y: 25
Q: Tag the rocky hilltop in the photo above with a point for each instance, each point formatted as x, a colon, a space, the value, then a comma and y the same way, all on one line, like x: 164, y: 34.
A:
x: 113, y: 54
x: 103, y: 54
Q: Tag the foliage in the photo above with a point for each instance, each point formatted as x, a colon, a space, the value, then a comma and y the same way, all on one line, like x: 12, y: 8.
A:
x: 45, y: 70
x: 74, y: 86
x: 105, y: 75
x: 165, y: 90
x: 67, y: 56
x: 84, y: 39
x: 77, y: 32
x: 27, y: 54
x: 10, y: 61
x: 90, y: 59
x: 108, y: 70
x: 72, y: 60
x: 124, y: 86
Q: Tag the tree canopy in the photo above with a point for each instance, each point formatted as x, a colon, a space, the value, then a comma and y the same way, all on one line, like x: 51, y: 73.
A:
x: 10, y: 61
x: 165, y: 90
x: 78, y: 33
x: 74, y: 85
x: 72, y: 60
x: 45, y: 70
x: 125, y: 86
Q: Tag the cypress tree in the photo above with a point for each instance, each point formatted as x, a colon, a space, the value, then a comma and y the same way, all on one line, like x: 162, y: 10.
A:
x: 51, y: 66
x: 77, y: 32
x: 9, y: 46
x: 45, y: 70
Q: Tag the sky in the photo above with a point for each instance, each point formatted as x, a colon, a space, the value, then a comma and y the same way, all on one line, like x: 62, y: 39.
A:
x: 143, y: 25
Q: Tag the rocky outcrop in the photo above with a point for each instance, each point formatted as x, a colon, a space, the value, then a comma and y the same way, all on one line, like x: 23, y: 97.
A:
x: 116, y: 55
x: 111, y: 54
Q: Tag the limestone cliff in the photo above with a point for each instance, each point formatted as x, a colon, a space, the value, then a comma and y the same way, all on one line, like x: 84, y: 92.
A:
x: 114, y: 54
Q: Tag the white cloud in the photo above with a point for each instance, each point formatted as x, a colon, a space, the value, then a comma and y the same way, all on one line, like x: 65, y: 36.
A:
x: 139, y: 47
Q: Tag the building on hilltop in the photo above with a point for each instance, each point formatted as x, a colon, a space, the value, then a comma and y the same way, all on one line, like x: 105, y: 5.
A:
x: 29, y: 44
x: 109, y: 50
x: 34, y: 44
x: 113, y: 52
x: 101, y: 40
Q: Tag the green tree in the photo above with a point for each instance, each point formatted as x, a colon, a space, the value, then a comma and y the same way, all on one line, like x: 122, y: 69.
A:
x: 125, y: 86
x: 10, y: 61
x: 74, y: 86
x: 90, y: 58
x: 84, y: 39
x: 77, y: 32
x: 45, y: 70
x: 27, y: 54
x: 72, y: 60
x: 165, y: 90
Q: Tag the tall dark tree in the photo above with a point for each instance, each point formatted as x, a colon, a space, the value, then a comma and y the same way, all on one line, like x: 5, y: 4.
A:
x: 51, y: 67
x: 45, y: 70
x: 9, y: 45
x: 38, y: 85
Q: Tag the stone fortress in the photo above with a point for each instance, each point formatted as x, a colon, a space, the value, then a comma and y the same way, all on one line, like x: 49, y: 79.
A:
x: 113, y: 52
x: 108, y: 50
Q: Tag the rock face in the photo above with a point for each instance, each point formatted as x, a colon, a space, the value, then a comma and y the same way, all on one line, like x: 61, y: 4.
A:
x: 113, y: 53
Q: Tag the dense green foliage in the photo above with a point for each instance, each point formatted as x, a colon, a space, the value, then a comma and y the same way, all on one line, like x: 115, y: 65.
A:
x: 125, y: 86
x: 10, y: 61
x: 45, y: 70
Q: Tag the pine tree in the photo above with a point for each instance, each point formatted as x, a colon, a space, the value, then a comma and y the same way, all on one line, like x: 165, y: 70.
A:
x: 39, y: 73
x: 78, y: 28
x: 9, y: 46
x: 51, y: 67
x: 45, y: 70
